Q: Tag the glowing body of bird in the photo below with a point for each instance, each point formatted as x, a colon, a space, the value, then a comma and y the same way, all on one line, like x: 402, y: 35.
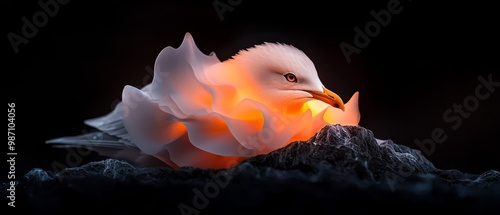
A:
x: 204, y: 113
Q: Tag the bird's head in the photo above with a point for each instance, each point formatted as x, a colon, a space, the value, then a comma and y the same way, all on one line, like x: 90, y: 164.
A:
x: 280, y: 75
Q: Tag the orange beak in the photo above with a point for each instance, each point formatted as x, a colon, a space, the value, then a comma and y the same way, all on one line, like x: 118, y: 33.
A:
x: 329, y: 97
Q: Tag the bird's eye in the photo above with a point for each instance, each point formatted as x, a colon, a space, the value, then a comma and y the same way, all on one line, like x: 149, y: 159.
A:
x: 291, y: 77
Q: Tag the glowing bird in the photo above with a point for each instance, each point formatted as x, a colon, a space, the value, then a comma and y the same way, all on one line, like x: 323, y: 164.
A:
x: 201, y: 112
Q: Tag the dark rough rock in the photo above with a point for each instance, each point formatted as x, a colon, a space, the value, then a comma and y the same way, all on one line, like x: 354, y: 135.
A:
x: 341, y: 169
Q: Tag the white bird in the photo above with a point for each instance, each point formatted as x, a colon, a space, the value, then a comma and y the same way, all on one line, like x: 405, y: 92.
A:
x: 201, y: 112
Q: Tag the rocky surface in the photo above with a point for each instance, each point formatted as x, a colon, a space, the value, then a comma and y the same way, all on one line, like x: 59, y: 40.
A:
x: 341, y: 169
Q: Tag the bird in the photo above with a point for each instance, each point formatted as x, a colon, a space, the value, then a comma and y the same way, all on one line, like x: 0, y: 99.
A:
x: 201, y: 112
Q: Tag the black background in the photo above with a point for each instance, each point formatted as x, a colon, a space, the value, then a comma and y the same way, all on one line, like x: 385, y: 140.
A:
x: 427, y: 59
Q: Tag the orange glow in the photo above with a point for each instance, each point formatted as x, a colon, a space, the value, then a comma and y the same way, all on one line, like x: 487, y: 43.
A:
x: 202, y: 112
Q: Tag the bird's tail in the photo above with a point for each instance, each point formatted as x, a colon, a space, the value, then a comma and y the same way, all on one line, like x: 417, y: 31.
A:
x: 111, y: 140
x: 112, y: 132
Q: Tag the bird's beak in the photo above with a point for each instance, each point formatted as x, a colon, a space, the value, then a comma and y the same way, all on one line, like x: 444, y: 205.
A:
x: 329, y: 97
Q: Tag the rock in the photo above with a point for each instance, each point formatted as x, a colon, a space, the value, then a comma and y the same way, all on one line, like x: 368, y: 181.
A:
x: 341, y: 169
x: 348, y: 149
